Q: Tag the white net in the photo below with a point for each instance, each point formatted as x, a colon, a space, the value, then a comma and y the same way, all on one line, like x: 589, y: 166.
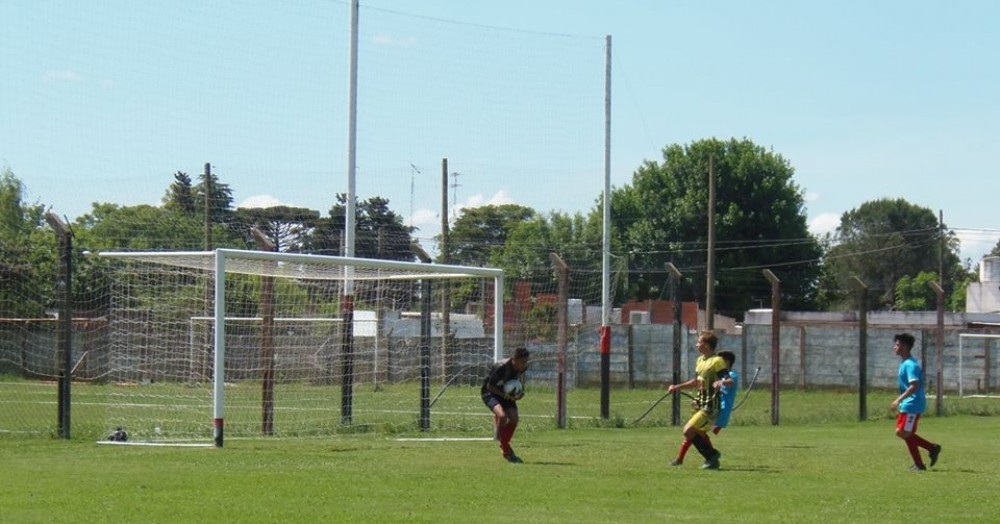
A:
x: 298, y: 359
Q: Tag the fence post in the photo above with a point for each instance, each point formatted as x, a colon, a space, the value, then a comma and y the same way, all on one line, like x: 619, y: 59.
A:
x: 939, y: 353
x: 675, y: 278
x: 563, y: 271
x: 425, y: 340
x: 775, y: 345
x: 862, y: 349
x: 64, y: 297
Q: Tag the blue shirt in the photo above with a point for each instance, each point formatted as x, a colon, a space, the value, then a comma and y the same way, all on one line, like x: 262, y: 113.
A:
x: 728, y: 394
x: 910, y: 372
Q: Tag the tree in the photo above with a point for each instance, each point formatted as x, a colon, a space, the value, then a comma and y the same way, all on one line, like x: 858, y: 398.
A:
x: 480, y: 232
x: 760, y: 222
x: 882, y: 241
x: 180, y: 195
x: 27, y: 254
x: 916, y: 294
x: 379, y: 231
x: 995, y: 252
x: 286, y: 227
x: 220, y: 198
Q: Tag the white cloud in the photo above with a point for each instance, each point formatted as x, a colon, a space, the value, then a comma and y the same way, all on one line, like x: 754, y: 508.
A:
x: 262, y: 201
x: 383, y: 39
x: 811, y: 196
x: 64, y: 75
x: 824, y: 223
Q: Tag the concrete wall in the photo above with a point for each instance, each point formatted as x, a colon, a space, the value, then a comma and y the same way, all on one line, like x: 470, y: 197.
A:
x: 813, y: 355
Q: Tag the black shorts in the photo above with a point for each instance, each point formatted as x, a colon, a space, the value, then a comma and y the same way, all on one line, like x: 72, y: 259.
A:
x: 492, y: 400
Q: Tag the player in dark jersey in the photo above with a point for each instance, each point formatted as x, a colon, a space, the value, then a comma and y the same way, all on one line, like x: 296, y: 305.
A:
x: 504, y: 406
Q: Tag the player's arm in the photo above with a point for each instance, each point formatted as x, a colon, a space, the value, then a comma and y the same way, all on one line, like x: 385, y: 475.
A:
x: 687, y: 384
x: 911, y: 389
x: 724, y: 379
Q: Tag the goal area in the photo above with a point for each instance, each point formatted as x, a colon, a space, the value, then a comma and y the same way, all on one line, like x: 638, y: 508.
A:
x: 236, y: 343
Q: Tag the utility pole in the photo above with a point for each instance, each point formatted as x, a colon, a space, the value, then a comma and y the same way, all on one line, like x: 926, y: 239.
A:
x: 710, y: 278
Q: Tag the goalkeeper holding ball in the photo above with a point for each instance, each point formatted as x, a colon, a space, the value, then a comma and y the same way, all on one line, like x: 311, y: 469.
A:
x: 712, y: 373
x: 503, y: 404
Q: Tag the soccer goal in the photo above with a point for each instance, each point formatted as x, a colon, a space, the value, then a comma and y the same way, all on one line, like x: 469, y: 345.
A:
x: 251, y: 343
x: 977, y: 346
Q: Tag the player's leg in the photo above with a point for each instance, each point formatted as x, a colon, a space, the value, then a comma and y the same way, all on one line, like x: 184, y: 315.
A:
x: 685, y: 446
x: 906, y: 426
x: 695, y: 430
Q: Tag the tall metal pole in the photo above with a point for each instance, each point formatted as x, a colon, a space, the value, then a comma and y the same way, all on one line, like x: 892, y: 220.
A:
x: 606, y: 246
x: 347, y: 302
x: 445, y: 259
x: 352, y: 141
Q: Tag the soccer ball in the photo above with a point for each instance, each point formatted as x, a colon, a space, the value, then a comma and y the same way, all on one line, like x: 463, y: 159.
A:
x: 514, y: 388
x: 118, y: 435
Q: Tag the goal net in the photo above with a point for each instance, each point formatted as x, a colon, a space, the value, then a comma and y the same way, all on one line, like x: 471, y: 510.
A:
x: 249, y: 343
x: 977, y: 364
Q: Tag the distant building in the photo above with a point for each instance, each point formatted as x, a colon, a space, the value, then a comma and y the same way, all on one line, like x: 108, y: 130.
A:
x: 984, y: 296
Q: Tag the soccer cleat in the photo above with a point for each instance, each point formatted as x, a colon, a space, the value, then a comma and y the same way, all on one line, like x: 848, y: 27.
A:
x: 513, y: 459
x: 676, y: 462
x: 918, y: 467
x: 712, y: 463
x: 934, y: 453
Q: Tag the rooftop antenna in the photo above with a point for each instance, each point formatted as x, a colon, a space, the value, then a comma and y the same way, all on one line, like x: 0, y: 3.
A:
x: 454, y: 193
x: 414, y: 170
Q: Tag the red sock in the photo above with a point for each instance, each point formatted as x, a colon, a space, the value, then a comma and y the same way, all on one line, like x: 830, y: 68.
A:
x: 913, y: 447
x: 506, y: 433
x: 920, y: 441
x: 685, y: 446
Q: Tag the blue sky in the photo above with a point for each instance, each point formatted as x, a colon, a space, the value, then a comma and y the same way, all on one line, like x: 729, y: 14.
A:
x: 104, y: 101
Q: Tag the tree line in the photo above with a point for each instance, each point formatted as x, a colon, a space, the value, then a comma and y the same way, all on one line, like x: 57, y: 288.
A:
x: 661, y: 216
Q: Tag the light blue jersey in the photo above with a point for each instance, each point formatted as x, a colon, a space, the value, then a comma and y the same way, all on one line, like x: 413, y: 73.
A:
x: 910, y: 372
x: 728, y: 394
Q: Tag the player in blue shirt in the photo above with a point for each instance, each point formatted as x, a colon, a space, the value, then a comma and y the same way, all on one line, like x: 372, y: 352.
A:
x: 911, y: 402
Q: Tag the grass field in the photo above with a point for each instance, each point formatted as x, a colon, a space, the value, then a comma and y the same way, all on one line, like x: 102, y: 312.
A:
x: 837, y: 472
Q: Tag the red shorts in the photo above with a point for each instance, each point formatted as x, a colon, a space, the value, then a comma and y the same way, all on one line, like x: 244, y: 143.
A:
x: 907, y: 422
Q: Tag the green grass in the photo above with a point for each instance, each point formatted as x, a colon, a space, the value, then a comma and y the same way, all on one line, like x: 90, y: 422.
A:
x: 801, y: 473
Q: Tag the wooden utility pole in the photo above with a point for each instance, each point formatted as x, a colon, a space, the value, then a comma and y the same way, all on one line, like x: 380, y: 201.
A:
x: 710, y: 277
x: 266, y: 338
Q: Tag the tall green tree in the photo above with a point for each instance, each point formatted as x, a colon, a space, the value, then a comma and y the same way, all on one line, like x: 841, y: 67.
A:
x: 220, y: 198
x: 286, y: 227
x: 180, y: 195
x: 379, y: 231
x: 479, y: 233
x: 880, y: 242
x: 760, y: 222
x: 27, y: 253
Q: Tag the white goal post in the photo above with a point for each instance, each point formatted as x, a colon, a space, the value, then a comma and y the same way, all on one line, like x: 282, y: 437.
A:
x: 277, y: 271
x: 962, y: 346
